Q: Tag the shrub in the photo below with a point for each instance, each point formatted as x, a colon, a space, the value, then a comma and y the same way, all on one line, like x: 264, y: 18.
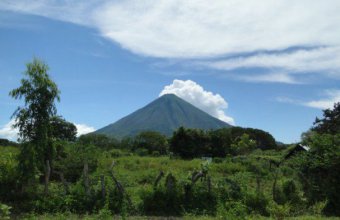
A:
x: 142, y: 152
x: 218, y: 159
x: 277, y: 211
x: 5, y: 211
x: 160, y: 202
x: 318, y: 208
x: 290, y: 191
x: 320, y: 170
x: 232, y: 210
x: 256, y: 203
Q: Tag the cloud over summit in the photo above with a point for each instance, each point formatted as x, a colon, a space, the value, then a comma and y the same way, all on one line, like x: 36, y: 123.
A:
x: 190, y: 91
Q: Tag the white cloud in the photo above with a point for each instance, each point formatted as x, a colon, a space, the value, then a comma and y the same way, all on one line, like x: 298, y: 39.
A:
x: 213, y: 104
x: 325, y: 60
x: 201, y: 29
x: 286, y: 100
x: 8, y: 132
x: 68, y: 11
x: 84, y: 129
x: 330, y: 97
x: 271, y: 77
x: 198, y: 28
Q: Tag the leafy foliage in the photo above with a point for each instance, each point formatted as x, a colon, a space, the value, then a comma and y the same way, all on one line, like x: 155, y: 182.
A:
x: 5, y: 211
x: 243, y: 145
x: 190, y: 143
x: 5, y: 142
x: 99, y: 140
x: 62, y: 129
x: 330, y: 123
x: 151, y: 141
x: 39, y: 93
x: 320, y: 169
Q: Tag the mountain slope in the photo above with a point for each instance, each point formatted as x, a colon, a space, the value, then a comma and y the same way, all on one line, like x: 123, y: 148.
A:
x: 164, y: 115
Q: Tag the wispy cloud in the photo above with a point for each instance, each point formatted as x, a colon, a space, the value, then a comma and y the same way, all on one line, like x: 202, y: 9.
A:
x: 270, y: 77
x: 213, y: 104
x: 174, y: 28
x: 198, y: 29
x: 332, y: 96
x: 329, y: 98
x: 323, y: 60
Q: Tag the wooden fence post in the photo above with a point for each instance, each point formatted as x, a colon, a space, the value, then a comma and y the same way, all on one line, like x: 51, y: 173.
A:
x: 47, y: 176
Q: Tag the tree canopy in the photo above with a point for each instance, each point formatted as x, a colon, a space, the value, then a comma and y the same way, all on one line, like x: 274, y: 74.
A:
x: 39, y: 93
x: 62, y: 129
x: 152, y: 141
x: 330, y: 123
x: 320, y: 167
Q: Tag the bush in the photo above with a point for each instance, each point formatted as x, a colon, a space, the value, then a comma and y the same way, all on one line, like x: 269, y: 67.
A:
x: 290, y: 191
x: 318, y: 208
x: 256, y: 203
x: 142, y: 152
x: 160, y: 202
x: 277, y: 211
x: 218, y: 160
x: 116, y: 153
x: 320, y: 171
x: 155, y: 154
x: 232, y: 210
x: 9, y: 174
x: 5, y: 211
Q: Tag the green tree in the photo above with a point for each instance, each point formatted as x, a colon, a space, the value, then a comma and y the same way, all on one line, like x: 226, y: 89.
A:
x: 62, y: 129
x: 320, y: 171
x: 189, y: 143
x: 243, y: 145
x: 39, y: 93
x: 101, y: 141
x: 152, y: 141
x: 330, y: 123
x: 220, y: 141
x: 264, y: 140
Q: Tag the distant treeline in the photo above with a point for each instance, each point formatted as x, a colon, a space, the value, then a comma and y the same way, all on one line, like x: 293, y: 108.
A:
x: 5, y: 142
x: 190, y: 143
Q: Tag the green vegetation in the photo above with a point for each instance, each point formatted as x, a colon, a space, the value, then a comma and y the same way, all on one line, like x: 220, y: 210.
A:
x: 191, y: 143
x: 228, y: 173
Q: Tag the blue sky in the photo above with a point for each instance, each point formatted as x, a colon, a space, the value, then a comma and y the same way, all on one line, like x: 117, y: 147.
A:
x: 271, y: 66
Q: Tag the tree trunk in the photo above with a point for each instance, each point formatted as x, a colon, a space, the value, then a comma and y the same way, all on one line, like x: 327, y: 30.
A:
x: 196, y: 176
x: 209, y: 184
x: 102, y: 180
x: 62, y: 178
x: 121, y: 190
x: 159, y: 177
x: 47, y: 176
x: 118, y: 185
x: 274, y: 186
x: 86, y: 179
x: 258, y: 184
